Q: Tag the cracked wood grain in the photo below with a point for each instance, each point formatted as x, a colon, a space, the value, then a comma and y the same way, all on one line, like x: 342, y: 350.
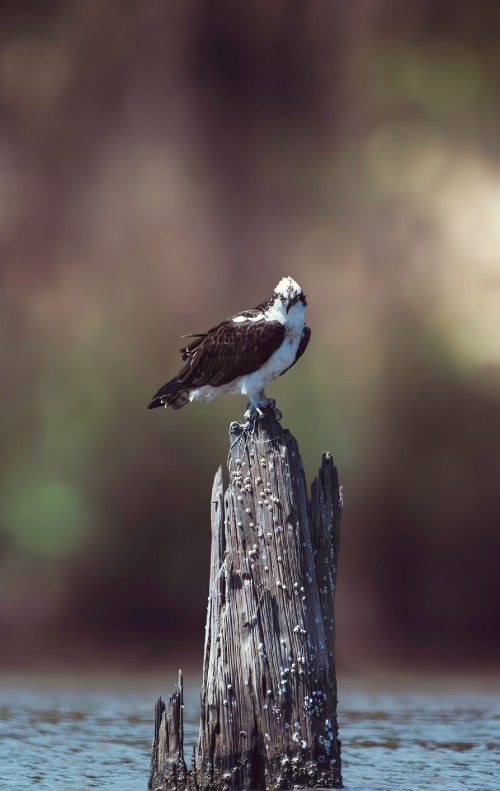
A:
x: 269, y: 697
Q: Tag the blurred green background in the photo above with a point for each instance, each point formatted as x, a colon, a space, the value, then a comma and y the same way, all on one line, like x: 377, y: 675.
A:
x: 163, y: 165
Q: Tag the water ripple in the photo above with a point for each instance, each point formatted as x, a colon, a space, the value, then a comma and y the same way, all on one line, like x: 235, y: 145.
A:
x: 75, y: 740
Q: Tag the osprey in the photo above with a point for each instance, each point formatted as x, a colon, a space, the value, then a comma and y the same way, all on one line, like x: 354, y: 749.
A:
x: 243, y: 353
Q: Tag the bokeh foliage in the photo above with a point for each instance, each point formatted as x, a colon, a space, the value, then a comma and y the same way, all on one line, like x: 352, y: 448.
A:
x: 162, y: 166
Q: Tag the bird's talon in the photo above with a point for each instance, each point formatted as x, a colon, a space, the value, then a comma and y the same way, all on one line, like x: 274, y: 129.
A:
x: 256, y: 411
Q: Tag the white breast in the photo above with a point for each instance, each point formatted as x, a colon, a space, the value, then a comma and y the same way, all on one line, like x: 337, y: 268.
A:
x: 282, y: 358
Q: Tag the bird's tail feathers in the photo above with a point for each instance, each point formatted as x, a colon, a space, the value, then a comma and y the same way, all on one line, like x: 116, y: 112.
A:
x: 173, y: 394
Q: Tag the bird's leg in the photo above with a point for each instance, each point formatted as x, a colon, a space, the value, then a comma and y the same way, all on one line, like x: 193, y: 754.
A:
x: 259, y: 406
x: 252, y: 414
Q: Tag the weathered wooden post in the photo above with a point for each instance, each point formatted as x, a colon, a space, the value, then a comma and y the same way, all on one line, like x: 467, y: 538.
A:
x: 269, y: 697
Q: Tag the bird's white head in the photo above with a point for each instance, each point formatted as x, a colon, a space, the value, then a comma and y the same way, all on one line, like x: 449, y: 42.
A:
x: 290, y: 293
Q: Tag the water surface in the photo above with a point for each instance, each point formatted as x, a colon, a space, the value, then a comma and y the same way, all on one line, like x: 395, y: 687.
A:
x: 77, y: 738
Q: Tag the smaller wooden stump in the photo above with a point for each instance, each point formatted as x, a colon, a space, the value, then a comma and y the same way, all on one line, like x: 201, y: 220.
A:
x: 269, y: 697
x: 168, y: 768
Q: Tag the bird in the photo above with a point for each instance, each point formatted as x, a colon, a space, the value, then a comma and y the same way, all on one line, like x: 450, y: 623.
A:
x: 242, y: 354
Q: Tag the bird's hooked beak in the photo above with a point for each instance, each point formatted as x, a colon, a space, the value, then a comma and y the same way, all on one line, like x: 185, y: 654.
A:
x: 291, y: 301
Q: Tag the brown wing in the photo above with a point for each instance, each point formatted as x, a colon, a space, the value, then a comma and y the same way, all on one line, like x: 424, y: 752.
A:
x: 229, y: 350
